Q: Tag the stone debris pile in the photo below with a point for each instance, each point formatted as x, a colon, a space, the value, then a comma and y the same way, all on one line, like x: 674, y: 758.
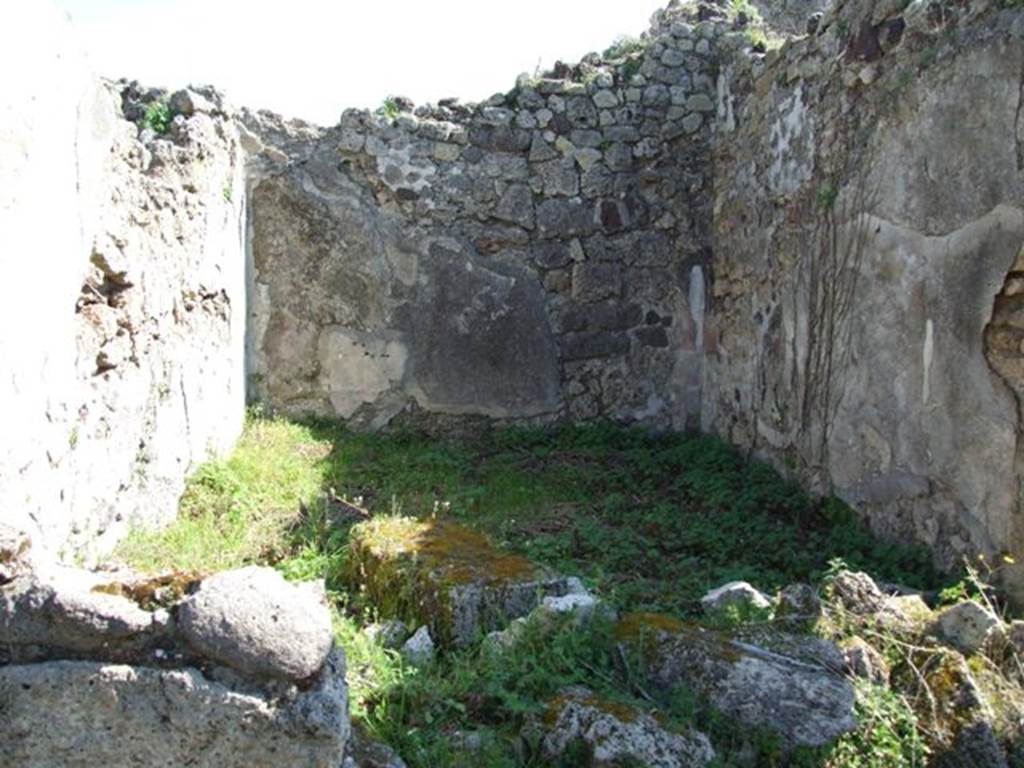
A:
x: 238, y: 669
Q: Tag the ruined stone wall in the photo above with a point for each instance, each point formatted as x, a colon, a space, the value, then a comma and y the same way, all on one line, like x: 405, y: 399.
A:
x: 868, y: 233
x: 122, y: 327
x: 540, y: 256
x: 814, y: 252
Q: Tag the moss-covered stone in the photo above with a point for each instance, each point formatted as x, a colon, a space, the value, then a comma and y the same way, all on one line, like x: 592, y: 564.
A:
x: 969, y: 709
x: 444, y: 575
x: 152, y: 592
x: 616, y: 733
x: 784, y: 682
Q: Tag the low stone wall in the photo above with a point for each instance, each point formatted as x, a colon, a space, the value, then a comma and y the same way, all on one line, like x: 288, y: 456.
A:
x: 122, y: 331
x: 238, y: 669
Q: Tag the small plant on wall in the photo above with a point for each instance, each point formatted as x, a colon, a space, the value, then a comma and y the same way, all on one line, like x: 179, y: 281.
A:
x: 158, y: 117
x: 389, y: 108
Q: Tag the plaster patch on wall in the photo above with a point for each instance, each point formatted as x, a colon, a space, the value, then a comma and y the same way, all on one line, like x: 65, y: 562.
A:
x: 926, y: 361
x: 792, y: 145
x: 696, y: 301
x: 359, y: 367
x: 726, y: 116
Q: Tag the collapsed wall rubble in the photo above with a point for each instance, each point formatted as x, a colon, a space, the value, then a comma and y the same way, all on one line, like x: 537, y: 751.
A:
x: 238, y: 669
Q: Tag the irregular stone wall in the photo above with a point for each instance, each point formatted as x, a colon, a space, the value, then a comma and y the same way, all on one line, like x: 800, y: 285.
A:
x: 540, y: 256
x: 820, y: 270
x: 122, y: 330
x: 868, y: 230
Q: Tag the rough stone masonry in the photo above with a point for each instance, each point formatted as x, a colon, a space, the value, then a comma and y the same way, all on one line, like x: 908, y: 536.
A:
x: 814, y: 251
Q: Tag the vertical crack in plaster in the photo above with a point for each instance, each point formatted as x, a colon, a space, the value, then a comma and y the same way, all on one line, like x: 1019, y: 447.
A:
x: 926, y: 354
x: 188, y: 422
x: 1020, y: 124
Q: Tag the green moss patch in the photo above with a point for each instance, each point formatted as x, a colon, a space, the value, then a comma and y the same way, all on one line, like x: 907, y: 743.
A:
x: 416, y: 569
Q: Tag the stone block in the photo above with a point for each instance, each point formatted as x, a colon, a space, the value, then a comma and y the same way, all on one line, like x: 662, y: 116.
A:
x: 445, y: 577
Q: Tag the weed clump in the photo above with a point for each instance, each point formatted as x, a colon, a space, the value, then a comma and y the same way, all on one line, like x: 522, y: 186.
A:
x: 158, y: 117
x: 650, y: 521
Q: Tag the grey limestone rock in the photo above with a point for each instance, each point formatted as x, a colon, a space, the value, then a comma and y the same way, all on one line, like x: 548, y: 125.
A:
x: 65, y: 612
x: 389, y: 633
x: 799, y: 603
x: 419, y: 650
x: 735, y: 594
x: 364, y: 752
x: 967, y: 626
x: 253, y: 620
x: 857, y: 592
x: 864, y: 661
x: 615, y: 733
x: 808, y: 703
x: 84, y: 713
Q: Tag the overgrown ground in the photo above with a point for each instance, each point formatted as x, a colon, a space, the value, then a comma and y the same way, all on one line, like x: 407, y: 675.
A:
x: 650, y: 522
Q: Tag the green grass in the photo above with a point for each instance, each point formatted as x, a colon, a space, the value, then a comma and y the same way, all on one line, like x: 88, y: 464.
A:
x: 625, y: 45
x: 158, y: 116
x: 239, y: 509
x: 888, y: 736
x: 651, y: 521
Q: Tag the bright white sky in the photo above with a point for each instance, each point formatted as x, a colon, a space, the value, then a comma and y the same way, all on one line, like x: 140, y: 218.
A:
x: 313, y: 58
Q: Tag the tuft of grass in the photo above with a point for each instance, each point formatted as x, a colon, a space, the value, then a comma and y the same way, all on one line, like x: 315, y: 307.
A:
x: 389, y: 108
x: 239, y: 509
x: 625, y: 45
x: 158, y: 116
x: 758, y: 39
x: 887, y: 736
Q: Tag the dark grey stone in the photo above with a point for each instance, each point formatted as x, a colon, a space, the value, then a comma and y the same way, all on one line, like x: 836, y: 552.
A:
x: 497, y: 138
x: 652, y: 336
x: 581, y: 112
x: 551, y: 255
x: 564, y: 218
x: 589, y: 344
x: 516, y: 206
x: 540, y: 150
x: 605, y: 316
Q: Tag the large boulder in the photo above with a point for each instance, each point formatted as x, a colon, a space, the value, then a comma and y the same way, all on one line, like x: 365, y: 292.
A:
x: 85, y: 713
x: 613, y: 734
x: 445, y: 576
x: 808, y: 702
x: 253, y: 620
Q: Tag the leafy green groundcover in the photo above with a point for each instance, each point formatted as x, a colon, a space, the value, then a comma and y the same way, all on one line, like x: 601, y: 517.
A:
x: 650, y: 521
